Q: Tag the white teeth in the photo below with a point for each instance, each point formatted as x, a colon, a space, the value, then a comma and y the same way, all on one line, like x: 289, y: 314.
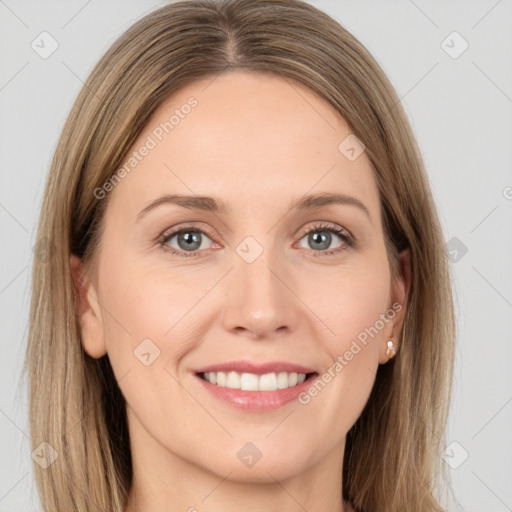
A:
x: 282, y: 380
x: 221, y: 379
x: 249, y: 382
x: 233, y: 380
x: 253, y: 382
x: 268, y: 382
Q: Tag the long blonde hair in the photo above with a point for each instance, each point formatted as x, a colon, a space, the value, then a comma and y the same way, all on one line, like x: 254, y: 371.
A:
x: 392, y: 457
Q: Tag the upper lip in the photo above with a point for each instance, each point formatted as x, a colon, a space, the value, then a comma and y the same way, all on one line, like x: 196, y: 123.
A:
x: 256, y: 368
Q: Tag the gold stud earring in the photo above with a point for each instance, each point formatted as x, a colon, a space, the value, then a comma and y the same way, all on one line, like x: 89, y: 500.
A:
x: 390, y: 351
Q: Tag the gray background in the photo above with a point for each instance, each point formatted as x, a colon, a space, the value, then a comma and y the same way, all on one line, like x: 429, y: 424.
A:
x: 461, y: 112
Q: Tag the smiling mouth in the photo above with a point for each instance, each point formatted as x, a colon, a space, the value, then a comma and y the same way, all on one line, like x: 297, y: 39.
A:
x: 255, y: 382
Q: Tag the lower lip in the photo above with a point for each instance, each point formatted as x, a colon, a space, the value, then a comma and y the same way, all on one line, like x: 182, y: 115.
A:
x: 257, y: 400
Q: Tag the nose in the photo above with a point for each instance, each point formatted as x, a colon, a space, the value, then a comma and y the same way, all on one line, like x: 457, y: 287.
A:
x: 260, y: 300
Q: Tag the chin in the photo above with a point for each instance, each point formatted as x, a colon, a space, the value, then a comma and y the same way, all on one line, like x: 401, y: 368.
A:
x: 265, y: 464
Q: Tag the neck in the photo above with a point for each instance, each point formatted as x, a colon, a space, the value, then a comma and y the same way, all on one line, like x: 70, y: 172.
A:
x: 163, y: 480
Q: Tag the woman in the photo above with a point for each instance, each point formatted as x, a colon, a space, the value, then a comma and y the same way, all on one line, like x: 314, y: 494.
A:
x: 191, y: 346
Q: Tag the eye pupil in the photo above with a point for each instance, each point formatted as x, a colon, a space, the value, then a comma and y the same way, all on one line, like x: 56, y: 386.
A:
x: 325, y: 239
x: 192, y: 239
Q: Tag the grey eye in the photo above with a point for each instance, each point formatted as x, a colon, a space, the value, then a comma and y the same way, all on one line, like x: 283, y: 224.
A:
x: 187, y: 240
x: 320, y: 240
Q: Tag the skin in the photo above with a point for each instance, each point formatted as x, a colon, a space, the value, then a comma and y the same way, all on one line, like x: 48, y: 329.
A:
x: 258, y: 144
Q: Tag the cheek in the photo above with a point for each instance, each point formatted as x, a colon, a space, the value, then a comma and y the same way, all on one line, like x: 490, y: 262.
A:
x: 349, y: 301
x: 148, y: 334
x: 153, y: 323
x: 146, y: 308
x: 350, y: 306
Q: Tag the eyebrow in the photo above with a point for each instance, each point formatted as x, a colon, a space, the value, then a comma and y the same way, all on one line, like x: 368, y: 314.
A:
x: 210, y: 204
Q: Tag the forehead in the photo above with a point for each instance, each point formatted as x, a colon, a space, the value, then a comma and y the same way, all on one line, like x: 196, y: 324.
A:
x: 254, y: 140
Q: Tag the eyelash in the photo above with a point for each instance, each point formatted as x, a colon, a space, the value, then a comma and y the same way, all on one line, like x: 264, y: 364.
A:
x: 343, y: 234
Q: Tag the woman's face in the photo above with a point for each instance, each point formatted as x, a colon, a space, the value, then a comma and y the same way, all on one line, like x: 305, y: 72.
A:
x: 258, y: 276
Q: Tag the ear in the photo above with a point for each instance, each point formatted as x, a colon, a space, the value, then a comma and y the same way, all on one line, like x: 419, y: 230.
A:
x: 89, y: 311
x: 398, y: 305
